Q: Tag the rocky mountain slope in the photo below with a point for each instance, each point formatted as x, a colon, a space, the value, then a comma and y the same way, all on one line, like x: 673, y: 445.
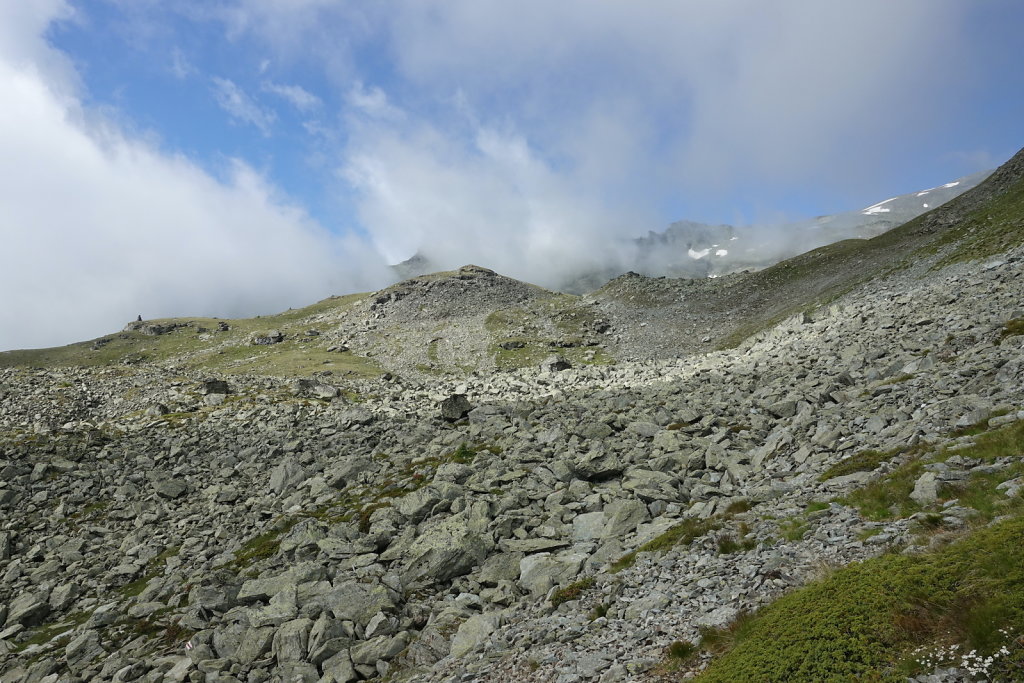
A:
x: 406, y: 486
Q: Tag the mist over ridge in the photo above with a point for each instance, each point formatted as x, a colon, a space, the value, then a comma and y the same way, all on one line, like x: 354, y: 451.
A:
x: 685, y: 249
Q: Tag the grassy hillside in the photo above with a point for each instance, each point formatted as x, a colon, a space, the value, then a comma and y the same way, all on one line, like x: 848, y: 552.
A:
x: 900, y: 615
x: 980, y: 223
x: 197, y: 343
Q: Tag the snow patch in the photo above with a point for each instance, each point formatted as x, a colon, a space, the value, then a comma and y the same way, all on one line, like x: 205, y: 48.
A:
x: 953, y: 184
x: 722, y: 252
x: 925, y: 205
x: 698, y: 254
x: 877, y: 208
x: 921, y: 194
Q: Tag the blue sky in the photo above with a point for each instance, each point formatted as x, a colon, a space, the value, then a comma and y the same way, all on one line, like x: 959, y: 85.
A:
x: 236, y: 156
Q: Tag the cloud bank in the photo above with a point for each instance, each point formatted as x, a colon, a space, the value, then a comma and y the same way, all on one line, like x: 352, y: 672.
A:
x: 99, y: 226
x: 549, y: 126
x: 565, y: 125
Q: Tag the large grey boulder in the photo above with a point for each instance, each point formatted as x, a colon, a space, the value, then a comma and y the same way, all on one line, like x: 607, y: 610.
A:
x: 255, y: 643
x: 291, y: 640
x: 284, y: 606
x: 455, y: 407
x: 384, y: 648
x: 166, y: 486
x: 473, y: 632
x: 263, y: 588
x: 214, y: 386
x: 650, y: 485
x: 64, y: 595
x: 555, y: 363
x: 646, y: 430
x: 28, y: 609
x: 342, y: 473
x: 926, y: 489
x: 313, y: 388
x: 416, y: 505
x: 358, y: 602
x: 446, y: 549
x: 624, y: 516
x: 227, y: 638
x: 218, y: 598
x: 598, y: 466
x: 274, y: 337
x: 500, y: 567
x: 655, y: 600
x: 82, y: 650
x: 339, y: 669
x: 593, y: 430
x: 588, y: 526
x: 541, y: 572
x: 328, y: 637
x: 286, y: 476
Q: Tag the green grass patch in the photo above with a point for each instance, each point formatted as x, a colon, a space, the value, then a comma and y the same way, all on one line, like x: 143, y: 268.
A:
x: 729, y: 544
x: 93, y: 510
x: 683, y: 533
x: 988, y: 231
x: 979, y: 492
x: 793, y: 529
x: 1007, y: 440
x: 50, y: 632
x: 862, y: 622
x: 981, y: 426
x: 263, y: 546
x: 889, y: 497
x: 154, y: 568
x: 463, y: 454
x: 679, y: 655
x: 229, y: 352
x: 1012, y: 328
x: 572, y: 592
x: 864, y: 461
x: 738, y: 506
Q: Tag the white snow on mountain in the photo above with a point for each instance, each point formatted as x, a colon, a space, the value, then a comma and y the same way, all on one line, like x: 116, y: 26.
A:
x: 877, y: 208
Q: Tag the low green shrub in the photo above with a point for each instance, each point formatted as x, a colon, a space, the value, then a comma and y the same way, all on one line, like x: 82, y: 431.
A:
x: 683, y: 533
x: 862, y: 621
x: 865, y: 461
x: 572, y: 592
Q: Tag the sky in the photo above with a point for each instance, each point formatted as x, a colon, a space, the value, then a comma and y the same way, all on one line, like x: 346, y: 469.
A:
x: 239, y: 157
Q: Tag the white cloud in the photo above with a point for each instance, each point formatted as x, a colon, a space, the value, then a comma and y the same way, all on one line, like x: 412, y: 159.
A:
x: 240, y: 106
x: 180, y: 67
x: 482, y: 196
x: 98, y: 226
x: 630, y: 104
x: 372, y: 101
x: 299, y: 97
x: 720, y: 92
